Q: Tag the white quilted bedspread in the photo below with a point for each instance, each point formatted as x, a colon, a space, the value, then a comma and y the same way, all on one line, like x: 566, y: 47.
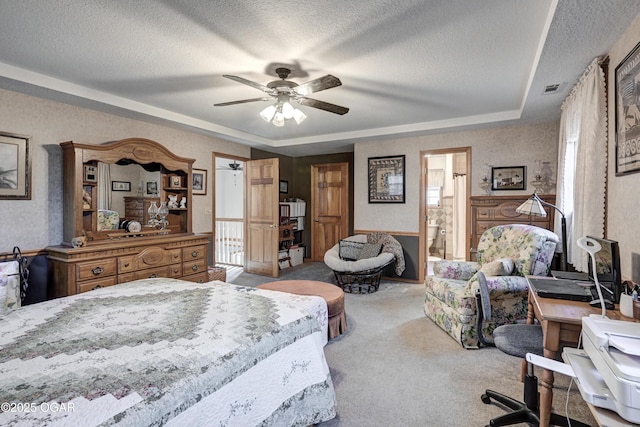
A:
x: 165, y: 351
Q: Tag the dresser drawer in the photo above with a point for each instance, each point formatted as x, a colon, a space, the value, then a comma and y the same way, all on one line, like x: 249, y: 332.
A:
x: 133, y: 204
x: 126, y: 264
x: 94, y: 269
x: 482, y: 226
x: 175, y: 271
x: 194, y: 252
x: 90, y: 285
x: 484, y: 213
x: 155, y: 257
x: 198, y: 278
x: 126, y: 277
x: 152, y: 273
x: 193, y: 267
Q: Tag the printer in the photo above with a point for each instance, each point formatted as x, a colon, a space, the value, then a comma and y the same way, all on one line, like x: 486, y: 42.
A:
x: 608, y: 369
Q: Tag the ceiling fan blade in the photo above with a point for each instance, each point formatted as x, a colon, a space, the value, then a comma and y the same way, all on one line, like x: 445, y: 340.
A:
x: 242, y: 101
x: 255, y: 85
x: 322, y: 83
x: 332, y: 108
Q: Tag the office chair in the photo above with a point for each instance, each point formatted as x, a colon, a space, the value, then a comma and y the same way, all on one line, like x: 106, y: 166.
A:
x: 515, y: 340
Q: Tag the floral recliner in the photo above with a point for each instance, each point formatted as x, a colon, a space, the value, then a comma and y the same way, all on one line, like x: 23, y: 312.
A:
x: 506, y: 253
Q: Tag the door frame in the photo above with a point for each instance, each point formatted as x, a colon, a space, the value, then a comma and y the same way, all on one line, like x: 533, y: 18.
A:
x: 214, y: 156
x: 423, y: 219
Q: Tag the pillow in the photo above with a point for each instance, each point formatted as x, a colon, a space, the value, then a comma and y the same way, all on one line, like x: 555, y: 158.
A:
x: 9, y: 286
x: 349, y: 250
x: 500, y: 267
x: 370, y: 250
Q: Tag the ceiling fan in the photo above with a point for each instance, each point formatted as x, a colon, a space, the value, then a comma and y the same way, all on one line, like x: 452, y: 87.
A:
x: 235, y: 166
x: 284, y: 91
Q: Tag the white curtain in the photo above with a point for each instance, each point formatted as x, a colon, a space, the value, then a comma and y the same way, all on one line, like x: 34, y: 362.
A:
x: 104, y: 186
x: 435, y: 177
x: 582, y: 162
x: 459, y: 216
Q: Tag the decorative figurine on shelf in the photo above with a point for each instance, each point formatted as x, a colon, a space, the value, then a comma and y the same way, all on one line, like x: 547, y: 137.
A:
x: 183, y: 203
x: 86, y: 199
x: 173, y: 201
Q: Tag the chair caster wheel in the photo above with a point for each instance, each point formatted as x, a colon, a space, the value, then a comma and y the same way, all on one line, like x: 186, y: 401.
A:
x: 485, y: 399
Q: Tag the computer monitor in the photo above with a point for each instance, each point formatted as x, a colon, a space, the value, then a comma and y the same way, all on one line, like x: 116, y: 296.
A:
x: 608, y: 266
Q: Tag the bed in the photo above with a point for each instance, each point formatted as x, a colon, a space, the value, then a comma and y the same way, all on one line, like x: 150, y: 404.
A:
x: 167, y: 352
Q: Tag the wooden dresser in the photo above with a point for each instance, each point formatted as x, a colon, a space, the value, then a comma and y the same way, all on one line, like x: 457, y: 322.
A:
x: 76, y: 270
x: 489, y: 211
x: 112, y: 256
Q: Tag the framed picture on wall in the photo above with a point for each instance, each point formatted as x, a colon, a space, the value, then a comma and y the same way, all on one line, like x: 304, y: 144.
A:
x: 152, y: 187
x: 284, y: 186
x: 387, y: 179
x: 15, y: 167
x: 627, y: 103
x: 120, y: 186
x: 199, y: 181
x: 508, y: 178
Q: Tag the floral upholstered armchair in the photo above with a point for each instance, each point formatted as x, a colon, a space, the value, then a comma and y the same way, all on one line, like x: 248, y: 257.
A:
x: 506, y: 253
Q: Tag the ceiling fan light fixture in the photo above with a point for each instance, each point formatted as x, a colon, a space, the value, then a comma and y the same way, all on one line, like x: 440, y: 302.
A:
x: 287, y: 110
x: 268, y: 113
x: 299, y: 116
x: 278, y: 119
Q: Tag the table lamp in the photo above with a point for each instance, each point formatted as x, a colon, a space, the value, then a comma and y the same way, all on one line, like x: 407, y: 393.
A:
x: 533, y: 206
x: 591, y: 247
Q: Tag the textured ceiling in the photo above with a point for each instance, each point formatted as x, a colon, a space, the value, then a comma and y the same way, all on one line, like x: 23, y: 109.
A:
x: 407, y: 68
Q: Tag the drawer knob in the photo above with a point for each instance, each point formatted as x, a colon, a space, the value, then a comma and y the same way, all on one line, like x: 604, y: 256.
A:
x: 153, y: 276
x: 126, y: 264
x: 194, y: 254
x: 97, y: 270
x: 194, y: 267
x: 97, y: 287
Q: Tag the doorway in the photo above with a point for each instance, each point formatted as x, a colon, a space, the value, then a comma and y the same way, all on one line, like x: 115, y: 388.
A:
x: 444, y: 206
x: 228, y: 208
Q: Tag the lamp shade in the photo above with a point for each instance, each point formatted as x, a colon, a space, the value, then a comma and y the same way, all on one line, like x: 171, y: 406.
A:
x: 278, y: 119
x: 287, y: 110
x: 268, y: 113
x: 299, y: 116
x: 532, y: 206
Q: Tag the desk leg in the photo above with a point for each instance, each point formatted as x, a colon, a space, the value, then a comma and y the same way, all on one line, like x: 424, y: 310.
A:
x: 531, y: 316
x: 551, y: 342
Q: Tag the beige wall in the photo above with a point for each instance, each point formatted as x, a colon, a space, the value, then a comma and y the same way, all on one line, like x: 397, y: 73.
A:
x: 505, y: 146
x: 623, y: 196
x: 36, y: 223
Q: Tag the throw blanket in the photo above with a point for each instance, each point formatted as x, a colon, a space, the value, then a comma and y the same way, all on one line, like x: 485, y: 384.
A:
x: 391, y: 245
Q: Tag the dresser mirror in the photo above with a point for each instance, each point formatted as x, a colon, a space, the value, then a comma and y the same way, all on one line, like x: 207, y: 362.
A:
x: 106, y: 184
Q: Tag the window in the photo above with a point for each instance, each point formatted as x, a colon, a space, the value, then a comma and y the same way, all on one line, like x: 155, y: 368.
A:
x: 434, y: 197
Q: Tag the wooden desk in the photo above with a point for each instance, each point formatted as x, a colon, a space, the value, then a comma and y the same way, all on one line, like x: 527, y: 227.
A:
x: 561, y: 322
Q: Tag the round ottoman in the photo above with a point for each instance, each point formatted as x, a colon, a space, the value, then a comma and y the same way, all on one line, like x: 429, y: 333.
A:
x: 333, y: 295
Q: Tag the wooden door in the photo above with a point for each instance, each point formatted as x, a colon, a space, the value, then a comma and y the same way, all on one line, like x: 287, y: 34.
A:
x: 262, y: 210
x: 329, y: 204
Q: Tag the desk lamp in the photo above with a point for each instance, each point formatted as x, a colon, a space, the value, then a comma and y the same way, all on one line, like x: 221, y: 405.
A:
x: 533, y: 206
x: 592, y: 246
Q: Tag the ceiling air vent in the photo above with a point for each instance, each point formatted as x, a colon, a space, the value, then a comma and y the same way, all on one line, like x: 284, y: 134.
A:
x: 551, y: 89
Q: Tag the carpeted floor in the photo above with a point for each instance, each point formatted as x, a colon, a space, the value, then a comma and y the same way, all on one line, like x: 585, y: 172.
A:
x: 394, y: 367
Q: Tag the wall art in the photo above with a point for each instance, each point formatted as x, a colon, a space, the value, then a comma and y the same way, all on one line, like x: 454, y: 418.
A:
x: 15, y: 167
x: 387, y: 179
